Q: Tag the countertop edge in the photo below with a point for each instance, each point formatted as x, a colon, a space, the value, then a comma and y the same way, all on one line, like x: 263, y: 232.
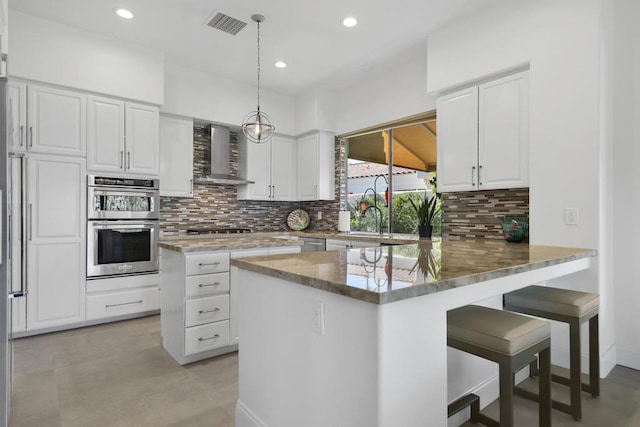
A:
x: 412, y: 292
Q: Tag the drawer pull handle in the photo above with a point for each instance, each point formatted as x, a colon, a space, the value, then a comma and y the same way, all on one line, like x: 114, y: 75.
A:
x: 210, y: 338
x: 124, y: 303
x: 209, y: 263
x: 215, y: 310
x: 204, y: 285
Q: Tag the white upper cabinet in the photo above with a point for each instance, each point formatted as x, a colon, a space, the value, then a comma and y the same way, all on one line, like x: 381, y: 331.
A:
x: 105, y: 138
x: 176, y: 157
x: 503, y: 133
x: 271, y: 165
x: 122, y: 137
x: 283, y: 171
x: 316, y: 166
x: 4, y: 32
x: 483, y: 136
x: 457, y: 150
x: 53, y: 123
x: 17, y: 116
x: 57, y: 121
x: 142, y: 139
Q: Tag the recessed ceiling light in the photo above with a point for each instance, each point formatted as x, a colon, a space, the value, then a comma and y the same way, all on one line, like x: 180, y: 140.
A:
x: 349, y: 22
x: 123, y: 13
x: 281, y: 64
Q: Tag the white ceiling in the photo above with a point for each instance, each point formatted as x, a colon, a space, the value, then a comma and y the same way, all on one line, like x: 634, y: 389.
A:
x: 308, y: 35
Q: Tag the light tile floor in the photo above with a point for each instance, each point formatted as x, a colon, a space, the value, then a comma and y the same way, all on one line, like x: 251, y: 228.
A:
x: 118, y: 374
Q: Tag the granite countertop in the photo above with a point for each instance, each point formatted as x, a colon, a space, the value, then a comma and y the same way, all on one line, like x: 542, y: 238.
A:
x: 183, y: 242
x: 391, y: 273
x: 223, y: 242
x: 390, y: 238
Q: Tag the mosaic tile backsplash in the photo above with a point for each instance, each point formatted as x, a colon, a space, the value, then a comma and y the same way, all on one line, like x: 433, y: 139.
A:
x: 475, y: 213
x: 218, y: 204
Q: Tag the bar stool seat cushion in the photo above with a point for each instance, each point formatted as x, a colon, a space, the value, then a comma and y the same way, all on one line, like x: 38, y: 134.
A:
x: 554, y: 300
x: 502, y: 331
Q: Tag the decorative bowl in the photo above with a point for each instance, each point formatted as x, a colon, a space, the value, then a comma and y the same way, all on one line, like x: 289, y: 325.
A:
x: 514, y: 228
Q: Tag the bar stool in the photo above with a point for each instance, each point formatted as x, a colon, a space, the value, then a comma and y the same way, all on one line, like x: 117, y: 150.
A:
x: 574, y: 308
x: 510, y: 340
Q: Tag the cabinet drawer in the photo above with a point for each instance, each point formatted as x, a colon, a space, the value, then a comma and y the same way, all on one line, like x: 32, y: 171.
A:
x: 206, y: 310
x: 206, y: 337
x: 123, y: 283
x: 120, y: 303
x: 207, y: 263
x: 206, y: 284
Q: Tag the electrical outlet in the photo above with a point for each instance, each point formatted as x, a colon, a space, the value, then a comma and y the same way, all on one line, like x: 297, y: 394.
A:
x: 319, y: 215
x: 318, y: 317
x: 571, y: 216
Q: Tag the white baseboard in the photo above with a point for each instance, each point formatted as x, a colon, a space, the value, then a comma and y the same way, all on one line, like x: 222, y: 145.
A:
x: 246, y: 418
x: 629, y: 358
x: 608, y: 359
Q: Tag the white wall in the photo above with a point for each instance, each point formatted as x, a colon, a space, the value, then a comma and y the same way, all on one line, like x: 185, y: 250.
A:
x: 49, y: 52
x: 626, y: 178
x: 561, y: 42
x: 387, y: 96
x: 192, y: 93
x: 315, y: 110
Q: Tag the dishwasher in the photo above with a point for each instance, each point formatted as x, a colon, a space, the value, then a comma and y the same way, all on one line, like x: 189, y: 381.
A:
x: 312, y: 244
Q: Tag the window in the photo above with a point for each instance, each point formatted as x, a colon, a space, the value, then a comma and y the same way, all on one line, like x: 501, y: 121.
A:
x: 388, y: 167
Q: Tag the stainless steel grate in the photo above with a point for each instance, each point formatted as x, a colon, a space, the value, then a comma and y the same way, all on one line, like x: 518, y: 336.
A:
x: 225, y: 23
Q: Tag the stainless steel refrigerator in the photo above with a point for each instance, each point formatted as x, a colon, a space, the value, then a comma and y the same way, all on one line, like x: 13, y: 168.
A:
x: 5, y: 284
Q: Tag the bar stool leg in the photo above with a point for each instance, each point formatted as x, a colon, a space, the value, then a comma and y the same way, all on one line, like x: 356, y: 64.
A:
x: 574, y: 368
x: 506, y: 394
x: 544, y: 388
x: 594, y: 357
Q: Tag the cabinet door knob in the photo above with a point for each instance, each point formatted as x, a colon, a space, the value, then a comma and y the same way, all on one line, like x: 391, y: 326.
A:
x: 479, y: 175
x: 473, y: 173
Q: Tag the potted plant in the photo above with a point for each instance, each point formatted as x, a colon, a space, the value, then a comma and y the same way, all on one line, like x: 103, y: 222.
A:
x: 426, y: 211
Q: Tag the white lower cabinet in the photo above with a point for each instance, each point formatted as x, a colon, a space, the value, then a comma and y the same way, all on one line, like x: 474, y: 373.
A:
x: 198, y: 299
x: 122, y: 296
x: 195, y: 304
x: 206, y: 337
x: 337, y: 244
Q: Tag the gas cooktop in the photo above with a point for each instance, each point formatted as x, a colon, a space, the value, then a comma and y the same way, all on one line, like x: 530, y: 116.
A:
x: 212, y: 230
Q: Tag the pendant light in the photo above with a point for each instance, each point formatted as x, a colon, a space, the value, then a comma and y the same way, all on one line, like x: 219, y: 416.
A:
x: 257, y: 125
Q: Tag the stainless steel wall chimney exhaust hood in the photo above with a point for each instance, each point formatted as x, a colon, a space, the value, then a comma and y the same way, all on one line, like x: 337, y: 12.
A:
x: 220, y: 159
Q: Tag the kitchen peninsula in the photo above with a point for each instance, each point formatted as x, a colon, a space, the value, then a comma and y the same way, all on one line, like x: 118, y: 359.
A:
x: 358, y: 337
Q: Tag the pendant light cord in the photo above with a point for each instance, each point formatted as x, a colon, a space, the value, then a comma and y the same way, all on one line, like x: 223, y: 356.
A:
x: 258, y: 66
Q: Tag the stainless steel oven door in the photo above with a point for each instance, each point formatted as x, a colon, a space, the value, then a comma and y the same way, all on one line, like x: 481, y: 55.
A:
x: 121, y: 247
x: 122, y: 203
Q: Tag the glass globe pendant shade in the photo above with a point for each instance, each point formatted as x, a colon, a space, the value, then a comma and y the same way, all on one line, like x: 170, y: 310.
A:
x: 257, y: 127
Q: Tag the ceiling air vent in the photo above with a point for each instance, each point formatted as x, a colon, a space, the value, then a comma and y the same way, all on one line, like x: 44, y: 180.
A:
x: 225, y: 23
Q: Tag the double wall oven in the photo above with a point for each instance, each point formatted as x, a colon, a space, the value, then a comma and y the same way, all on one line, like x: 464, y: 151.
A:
x: 122, y: 226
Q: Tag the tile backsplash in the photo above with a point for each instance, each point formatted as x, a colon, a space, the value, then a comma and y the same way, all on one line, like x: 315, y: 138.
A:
x: 218, y: 205
x: 475, y: 213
